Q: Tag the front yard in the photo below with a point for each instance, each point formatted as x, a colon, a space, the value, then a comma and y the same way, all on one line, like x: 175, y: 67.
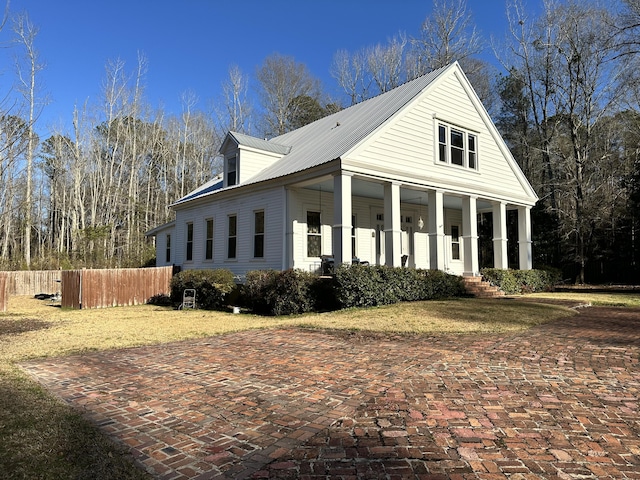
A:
x: 42, y: 438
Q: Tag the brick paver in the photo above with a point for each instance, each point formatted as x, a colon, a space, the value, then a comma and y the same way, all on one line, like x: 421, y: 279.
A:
x: 558, y: 402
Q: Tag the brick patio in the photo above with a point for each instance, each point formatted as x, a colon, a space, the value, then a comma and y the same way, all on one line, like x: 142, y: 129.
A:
x: 560, y: 401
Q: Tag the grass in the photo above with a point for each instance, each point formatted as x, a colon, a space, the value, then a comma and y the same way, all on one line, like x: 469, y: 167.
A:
x: 41, y: 438
x: 584, y: 296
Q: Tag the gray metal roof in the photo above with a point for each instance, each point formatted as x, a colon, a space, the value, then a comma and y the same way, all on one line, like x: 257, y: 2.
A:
x: 328, y: 138
x: 254, y: 142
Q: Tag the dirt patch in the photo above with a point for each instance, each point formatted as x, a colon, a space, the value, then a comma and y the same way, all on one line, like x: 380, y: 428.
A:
x: 15, y: 327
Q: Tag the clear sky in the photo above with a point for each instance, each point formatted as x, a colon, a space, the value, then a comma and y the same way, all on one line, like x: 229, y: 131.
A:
x: 190, y: 44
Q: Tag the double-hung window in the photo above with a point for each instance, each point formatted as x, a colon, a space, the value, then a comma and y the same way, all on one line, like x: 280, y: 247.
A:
x: 208, y: 248
x: 189, y: 241
x: 457, y: 147
x: 232, y: 170
x: 232, y: 237
x: 258, y: 234
x: 314, y: 234
x: 168, y: 249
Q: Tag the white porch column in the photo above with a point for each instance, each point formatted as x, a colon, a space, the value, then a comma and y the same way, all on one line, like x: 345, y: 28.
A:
x: 524, y: 238
x: 436, y: 229
x: 500, y: 258
x: 341, y: 238
x: 470, y: 236
x: 392, y: 229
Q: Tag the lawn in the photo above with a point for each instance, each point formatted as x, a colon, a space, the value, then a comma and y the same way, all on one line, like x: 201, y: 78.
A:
x: 45, y: 439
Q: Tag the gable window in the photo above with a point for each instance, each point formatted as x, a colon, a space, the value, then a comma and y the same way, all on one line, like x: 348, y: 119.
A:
x: 314, y: 235
x: 232, y: 237
x: 208, y: 246
x: 457, y: 147
x: 258, y: 234
x: 232, y: 171
x: 168, y: 249
x: 189, y: 241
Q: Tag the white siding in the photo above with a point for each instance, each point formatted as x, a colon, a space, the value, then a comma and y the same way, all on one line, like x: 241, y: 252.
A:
x: 406, y: 148
x: 271, y: 202
x: 252, y: 162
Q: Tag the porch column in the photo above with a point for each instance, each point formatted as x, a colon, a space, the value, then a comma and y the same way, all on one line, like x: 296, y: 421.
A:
x: 524, y: 238
x: 436, y: 229
x: 470, y: 236
x: 392, y: 230
x: 341, y: 238
x: 500, y: 258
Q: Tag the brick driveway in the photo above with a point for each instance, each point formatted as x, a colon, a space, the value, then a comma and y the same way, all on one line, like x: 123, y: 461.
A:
x: 559, y: 401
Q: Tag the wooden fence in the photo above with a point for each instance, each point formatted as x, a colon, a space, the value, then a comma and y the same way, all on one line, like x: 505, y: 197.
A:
x: 113, y: 287
x: 32, y: 282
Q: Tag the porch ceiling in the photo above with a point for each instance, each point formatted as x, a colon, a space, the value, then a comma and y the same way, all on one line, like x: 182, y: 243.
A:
x: 363, y: 188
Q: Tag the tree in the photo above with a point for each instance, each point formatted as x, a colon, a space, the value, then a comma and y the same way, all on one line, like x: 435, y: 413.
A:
x: 26, y: 34
x: 281, y: 79
x: 446, y: 36
x: 237, y: 110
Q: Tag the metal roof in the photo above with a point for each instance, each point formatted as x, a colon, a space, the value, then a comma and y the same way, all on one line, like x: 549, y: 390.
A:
x: 328, y: 138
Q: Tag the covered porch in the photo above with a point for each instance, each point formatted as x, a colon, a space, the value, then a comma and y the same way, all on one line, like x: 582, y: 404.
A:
x: 349, y: 217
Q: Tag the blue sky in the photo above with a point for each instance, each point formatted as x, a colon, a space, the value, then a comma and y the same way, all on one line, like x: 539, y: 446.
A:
x: 190, y: 44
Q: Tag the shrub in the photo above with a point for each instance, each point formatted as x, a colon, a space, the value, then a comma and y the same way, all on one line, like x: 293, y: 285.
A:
x: 271, y: 292
x: 211, y: 287
x: 514, y: 282
x: 161, y: 300
x: 361, y: 286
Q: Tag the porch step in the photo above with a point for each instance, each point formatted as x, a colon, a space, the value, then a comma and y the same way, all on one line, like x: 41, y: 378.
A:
x: 480, y: 288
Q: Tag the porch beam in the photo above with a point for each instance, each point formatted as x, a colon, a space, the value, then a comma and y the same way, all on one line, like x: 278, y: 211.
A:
x: 436, y: 229
x: 500, y: 257
x: 392, y: 229
x: 341, y: 234
x: 470, y: 236
x: 524, y: 238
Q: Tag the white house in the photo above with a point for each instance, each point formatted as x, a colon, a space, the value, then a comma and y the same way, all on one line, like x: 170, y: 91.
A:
x: 398, y: 179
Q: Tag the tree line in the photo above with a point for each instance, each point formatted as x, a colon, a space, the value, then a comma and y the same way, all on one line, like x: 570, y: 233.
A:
x: 562, y: 87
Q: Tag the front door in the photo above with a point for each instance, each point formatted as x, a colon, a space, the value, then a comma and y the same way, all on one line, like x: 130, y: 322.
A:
x: 378, y: 236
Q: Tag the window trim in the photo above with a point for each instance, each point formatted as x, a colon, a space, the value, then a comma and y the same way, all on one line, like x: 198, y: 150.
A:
x: 189, y: 243
x: 228, y: 171
x: 208, y: 240
x: 167, y: 248
x: 313, y: 234
x: 232, y: 239
x: 259, y: 234
x: 444, y: 151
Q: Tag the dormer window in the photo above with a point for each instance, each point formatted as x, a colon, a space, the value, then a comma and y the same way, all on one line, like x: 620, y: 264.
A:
x: 232, y: 170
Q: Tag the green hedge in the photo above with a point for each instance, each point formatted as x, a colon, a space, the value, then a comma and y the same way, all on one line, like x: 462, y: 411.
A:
x: 515, y: 282
x: 271, y: 292
x: 362, y: 286
x: 211, y: 286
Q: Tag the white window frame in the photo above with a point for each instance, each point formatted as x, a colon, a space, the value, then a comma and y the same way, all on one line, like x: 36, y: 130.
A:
x: 257, y: 234
x: 307, y: 234
x: 188, y: 254
x: 208, y: 240
x: 231, y: 237
x: 228, y: 170
x: 445, y: 148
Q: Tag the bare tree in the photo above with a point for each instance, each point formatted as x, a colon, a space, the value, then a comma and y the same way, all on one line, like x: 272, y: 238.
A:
x: 237, y: 112
x: 350, y: 70
x: 446, y: 36
x: 26, y: 34
x: 281, y: 79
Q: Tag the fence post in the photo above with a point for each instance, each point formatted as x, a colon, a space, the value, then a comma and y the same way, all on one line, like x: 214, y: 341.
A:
x: 4, y: 291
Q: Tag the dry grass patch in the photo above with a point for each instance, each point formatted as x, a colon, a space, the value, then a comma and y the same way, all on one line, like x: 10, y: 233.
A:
x: 590, y: 297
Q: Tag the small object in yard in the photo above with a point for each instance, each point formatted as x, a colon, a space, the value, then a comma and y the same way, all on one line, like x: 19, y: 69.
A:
x: 236, y: 309
x: 188, y: 298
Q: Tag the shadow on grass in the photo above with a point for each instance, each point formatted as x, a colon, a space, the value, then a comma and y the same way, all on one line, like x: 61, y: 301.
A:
x: 41, y: 438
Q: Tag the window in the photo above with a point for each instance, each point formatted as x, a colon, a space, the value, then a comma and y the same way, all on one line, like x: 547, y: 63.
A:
x: 208, y: 246
x: 232, y: 236
x: 472, y: 151
x: 455, y: 242
x: 457, y: 147
x: 353, y: 235
x: 232, y: 169
x: 189, y: 242
x: 258, y: 234
x: 168, y: 249
x: 314, y: 235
